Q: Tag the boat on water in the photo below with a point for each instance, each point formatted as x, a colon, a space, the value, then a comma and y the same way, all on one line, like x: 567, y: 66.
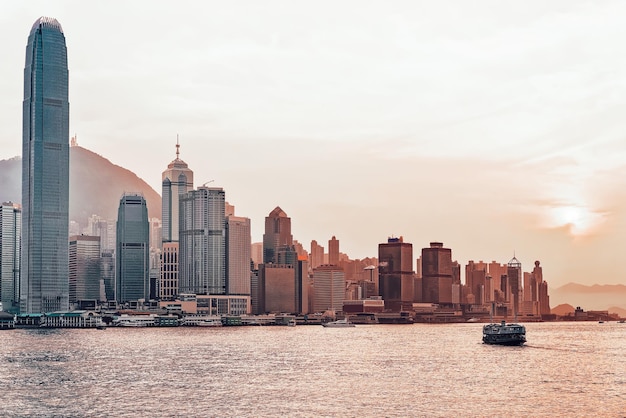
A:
x: 340, y: 323
x: 292, y: 322
x: 504, y: 334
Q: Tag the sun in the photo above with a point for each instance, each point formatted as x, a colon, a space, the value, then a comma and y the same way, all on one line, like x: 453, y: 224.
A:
x: 580, y: 219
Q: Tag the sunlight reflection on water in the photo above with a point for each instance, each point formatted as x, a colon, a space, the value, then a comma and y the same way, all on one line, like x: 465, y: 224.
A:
x: 566, y: 369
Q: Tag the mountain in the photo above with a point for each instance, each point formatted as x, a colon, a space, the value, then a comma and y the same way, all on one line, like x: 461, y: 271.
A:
x: 562, y: 309
x: 96, y: 186
x: 596, y: 297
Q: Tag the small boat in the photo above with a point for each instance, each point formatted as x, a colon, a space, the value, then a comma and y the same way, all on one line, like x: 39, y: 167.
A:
x: 292, y: 322
x: 504, y: 334
x: 340, y: 323
x: 101, y: 327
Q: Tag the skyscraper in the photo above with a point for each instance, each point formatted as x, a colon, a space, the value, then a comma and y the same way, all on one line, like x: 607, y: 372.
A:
x: 202, y: 258
x: 437, y: 274
x: 277, y: 234
x: 84, y: 268
x: 132, y: 250
x: 333, y: 251
x: 238, y: 243
x: 396, y: 275
x: 177, y: 180
x: 45, y: 171
x: 10, y: 236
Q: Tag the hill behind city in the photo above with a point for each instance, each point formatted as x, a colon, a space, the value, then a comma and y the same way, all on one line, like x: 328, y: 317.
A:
x: 96, y: 185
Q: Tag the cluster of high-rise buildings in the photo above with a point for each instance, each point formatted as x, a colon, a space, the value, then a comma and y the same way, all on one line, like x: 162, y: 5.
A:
x: 200, y: 252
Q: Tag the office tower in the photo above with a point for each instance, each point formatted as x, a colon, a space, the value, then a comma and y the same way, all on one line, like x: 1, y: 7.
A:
x: 202, y: 258
x: 103, y: 228
x: 10, y: 237
x: 329, y: 288
x: 133, y: 252
x: 333, y: 251
x: 277, y: 233
x: 238, y: 243
x: 316, y: 257
x: 107, y: 270
x: 514, y: 275
x: 177, y: 180
x: 437, y: 274
x: 257, y: 254
x: 84, y: 268
x: 45, y: 171
x: 279, y: 288
x: 302, y: 286
x: 396, y: 275
x: 496, y: 271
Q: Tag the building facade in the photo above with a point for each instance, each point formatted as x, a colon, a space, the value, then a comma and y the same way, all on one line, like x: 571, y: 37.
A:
x: 437, y: 274
x: 238, y: 247
x: 10, y: 242
x: 177, y: 180
x: 45, y: 171
x: 202, y: 258
x: 85, y: 267
x: 133, y: 250
x: 277, y: 234
x: 329, y: 288
x: 396, y: 275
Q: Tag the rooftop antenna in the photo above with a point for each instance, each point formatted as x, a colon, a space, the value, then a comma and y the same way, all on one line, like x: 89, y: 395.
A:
x: 177, y: 147
x: 210, y: 181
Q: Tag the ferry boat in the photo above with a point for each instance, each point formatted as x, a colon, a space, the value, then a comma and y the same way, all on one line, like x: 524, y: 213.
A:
x: 340, y: 323
x: 504, y: 334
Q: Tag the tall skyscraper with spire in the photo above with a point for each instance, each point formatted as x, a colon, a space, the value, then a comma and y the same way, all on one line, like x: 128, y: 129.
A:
x: 45, y: 171
x: 177, y: 180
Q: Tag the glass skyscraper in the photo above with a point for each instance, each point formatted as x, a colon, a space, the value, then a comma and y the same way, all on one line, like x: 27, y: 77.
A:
x: 133, y: 250
x: 45, y: 171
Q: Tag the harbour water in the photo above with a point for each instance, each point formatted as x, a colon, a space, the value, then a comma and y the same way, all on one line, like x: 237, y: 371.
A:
x: 565, y: 369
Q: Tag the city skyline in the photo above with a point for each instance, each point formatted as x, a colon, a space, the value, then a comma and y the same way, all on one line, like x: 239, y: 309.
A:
x: 490, y: 130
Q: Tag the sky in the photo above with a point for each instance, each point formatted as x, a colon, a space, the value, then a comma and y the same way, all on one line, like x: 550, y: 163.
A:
x: 495, y: 127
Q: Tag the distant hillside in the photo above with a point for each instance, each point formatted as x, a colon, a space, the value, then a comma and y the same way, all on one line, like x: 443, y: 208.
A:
x: 96, y: 185
x: 595, y: 297
x: 563, y: 309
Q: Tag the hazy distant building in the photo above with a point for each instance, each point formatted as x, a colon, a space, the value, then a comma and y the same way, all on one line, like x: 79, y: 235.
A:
x: 202, y: 258
x: 132, y: 252
x: 45, y: 171
x: 316, y: 257
x: 333, y: 251
x: 277, y: 234
x: 396, y: 275
x: 437, y: 274
x: 10, y: 237
x: 329, y: 288
x: 476, y: 280
x: 84, y: 268
x: 514, y: 276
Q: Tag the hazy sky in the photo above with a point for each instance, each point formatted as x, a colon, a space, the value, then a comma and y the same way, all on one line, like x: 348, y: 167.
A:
x: 495, y: 127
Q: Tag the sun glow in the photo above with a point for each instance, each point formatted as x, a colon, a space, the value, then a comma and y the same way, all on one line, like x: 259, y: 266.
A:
x: 580, y: 219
